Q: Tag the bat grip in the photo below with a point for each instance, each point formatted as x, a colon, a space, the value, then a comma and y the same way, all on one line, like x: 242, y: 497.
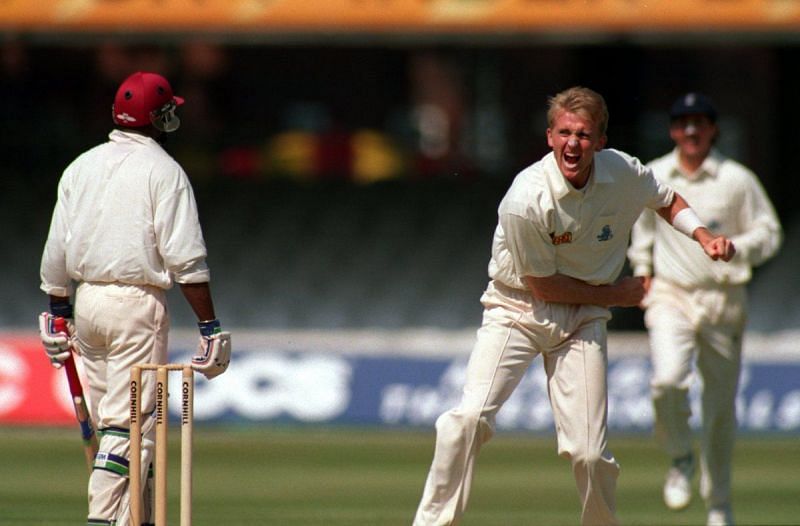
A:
x: 60, y: 325
x: 75, y: 389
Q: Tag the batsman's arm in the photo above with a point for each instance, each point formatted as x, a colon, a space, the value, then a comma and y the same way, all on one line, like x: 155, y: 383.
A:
x: 88, y: 434
x: 198, y: 295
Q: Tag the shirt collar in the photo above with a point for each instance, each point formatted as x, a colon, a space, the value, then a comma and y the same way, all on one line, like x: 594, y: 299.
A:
x: 709, y: 167
x: 560, y: 186
x: 126, y: 136
x: 601, y: 172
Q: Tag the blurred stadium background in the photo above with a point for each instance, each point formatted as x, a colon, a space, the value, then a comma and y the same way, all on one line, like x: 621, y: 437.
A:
x: 348, y: 157
x: 348, y: 167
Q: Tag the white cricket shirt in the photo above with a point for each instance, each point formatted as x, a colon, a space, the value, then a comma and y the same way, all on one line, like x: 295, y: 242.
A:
x: 730, y: 200
x: 546, y: 226
x: 125, y: 213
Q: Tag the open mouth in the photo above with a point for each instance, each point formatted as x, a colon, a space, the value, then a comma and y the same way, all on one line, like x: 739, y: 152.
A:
x: 571, y: 159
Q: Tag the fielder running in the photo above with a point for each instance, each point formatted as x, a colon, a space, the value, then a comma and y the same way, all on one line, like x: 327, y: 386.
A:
x: 557, y: 252
x: 696, y: 308
x: 125, y: 228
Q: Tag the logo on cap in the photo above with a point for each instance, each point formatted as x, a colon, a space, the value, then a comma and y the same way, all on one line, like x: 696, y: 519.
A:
x: 125, y: 117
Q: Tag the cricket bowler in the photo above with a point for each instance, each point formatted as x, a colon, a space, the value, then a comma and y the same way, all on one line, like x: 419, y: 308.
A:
x: 557, y: 253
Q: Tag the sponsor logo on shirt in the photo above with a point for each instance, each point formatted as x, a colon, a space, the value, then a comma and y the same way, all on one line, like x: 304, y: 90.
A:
x: 560, y: 239
x: 605, y: 233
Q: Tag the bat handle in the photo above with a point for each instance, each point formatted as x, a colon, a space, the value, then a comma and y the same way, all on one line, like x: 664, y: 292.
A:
x: 60, y: 324
x: 75, y: 389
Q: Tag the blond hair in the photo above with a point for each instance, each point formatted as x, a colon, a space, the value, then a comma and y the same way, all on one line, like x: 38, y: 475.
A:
x: 581, y: 101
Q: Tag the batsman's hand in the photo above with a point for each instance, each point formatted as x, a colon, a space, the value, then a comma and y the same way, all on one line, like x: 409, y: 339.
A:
x: 213, y: 350
x: 57, y: 343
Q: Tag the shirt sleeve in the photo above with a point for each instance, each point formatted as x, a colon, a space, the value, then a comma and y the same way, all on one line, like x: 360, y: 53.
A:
x: 761, y: 235
x: 53, y: 269
x: 178, y: 233
x: 532, y: 251
x: 660, y: 194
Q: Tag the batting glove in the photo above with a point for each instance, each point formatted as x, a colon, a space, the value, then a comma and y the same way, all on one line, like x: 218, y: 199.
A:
x: 213, y: 350
x: 57, y: 343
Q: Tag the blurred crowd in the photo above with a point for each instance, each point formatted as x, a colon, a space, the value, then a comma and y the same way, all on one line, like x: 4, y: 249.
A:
x: 367, y: 112
x: 284, y: 129
x: 253, y: 113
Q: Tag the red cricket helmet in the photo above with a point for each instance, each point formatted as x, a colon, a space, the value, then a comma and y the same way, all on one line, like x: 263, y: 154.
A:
x: 144, y: 99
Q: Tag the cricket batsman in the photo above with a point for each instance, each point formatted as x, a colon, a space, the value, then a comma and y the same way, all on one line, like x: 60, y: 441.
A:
x: 124, y: 230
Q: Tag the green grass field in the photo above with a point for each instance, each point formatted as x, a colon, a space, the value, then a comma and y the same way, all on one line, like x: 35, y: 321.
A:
x: 344, y: 477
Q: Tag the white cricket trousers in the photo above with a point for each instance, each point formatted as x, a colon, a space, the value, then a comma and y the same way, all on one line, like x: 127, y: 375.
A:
x: 118, y: 326
x: 515, y: 329
x: 704, y: 326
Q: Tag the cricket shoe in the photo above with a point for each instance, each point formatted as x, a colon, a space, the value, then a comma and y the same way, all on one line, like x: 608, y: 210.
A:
x: 678, y: 486
x: 720, y: 517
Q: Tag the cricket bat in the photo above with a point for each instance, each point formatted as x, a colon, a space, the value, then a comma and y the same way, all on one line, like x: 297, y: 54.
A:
x: 79, y: 401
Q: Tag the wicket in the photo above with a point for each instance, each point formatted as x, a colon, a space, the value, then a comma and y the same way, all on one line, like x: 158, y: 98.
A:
x: 161, y: 425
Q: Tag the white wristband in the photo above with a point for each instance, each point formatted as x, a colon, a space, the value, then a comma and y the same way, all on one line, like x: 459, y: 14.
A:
x: 686, y: 222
